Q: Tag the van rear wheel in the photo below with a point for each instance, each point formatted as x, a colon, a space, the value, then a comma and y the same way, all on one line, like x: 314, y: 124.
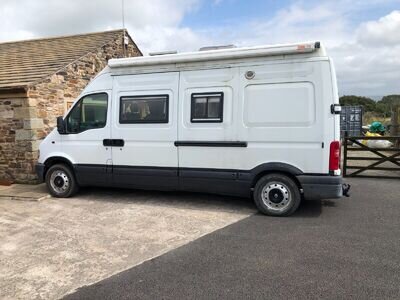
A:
x: 276, y: 195
x: 61, y: 181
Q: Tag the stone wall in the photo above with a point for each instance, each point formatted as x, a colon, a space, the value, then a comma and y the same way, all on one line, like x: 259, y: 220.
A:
x: 27, y: 120
x: 16, y: 154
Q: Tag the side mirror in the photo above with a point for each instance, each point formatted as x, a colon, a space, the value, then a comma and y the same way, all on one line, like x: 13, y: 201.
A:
x: 61, y: 125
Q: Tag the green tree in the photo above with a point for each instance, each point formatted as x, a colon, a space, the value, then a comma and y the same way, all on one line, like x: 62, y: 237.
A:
x: 367, y: 103
x: 390, y: 100
x: 386, y: 104
x: 383, y: 108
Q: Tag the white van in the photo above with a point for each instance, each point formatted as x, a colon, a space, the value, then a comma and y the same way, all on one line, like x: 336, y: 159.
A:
x: 260, y: 121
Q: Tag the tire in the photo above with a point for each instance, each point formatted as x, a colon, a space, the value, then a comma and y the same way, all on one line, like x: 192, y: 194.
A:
x: 276, y: 195
x: 61, y: 182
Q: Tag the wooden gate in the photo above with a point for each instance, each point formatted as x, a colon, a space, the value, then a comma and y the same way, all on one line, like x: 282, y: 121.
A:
x: 365, y: 161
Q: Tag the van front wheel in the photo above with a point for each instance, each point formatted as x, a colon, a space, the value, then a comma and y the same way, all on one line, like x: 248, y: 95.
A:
x: 61, y: 181
x: 276, y: 195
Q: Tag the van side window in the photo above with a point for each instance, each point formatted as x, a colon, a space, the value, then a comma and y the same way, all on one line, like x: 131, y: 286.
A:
x: 89, y: 113
x: 207, y: 108
x: 144, y: 109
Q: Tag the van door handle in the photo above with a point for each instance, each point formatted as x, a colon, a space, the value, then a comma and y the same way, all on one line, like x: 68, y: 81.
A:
x: 118, y: 143
x: 113, y: 142
x: 107, y: 142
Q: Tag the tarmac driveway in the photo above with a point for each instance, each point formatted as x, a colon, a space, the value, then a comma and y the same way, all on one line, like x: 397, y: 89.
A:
x: 182, y: 245
x: 50, y: 248
x: 342, y: 249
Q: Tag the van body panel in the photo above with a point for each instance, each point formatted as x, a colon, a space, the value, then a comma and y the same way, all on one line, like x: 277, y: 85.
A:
x: 284, y: 136
x: 222, y: 81
x: 51, y: 146
x: 335, y: 99
x: 214, y: 125
x: 145, y: 144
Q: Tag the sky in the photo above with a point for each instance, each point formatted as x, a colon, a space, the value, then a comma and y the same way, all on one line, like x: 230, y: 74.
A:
x: 362, y: 36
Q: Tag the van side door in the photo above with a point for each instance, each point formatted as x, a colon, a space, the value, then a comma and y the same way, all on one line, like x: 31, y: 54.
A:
x: 208, y: 145
x: 145, y: 127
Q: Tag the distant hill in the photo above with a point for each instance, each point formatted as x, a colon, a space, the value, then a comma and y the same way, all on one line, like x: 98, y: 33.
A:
x: 381, y: 105
x: 375, y: 98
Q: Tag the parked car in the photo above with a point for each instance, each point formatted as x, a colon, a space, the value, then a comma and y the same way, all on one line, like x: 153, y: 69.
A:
x: 260, y: 121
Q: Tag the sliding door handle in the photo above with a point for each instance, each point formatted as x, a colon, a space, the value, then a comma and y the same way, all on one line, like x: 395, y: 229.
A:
x: 118, y: 143
x: 113, y: 142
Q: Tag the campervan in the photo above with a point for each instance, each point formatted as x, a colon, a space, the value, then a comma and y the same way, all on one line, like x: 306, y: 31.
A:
x: 259, y: 122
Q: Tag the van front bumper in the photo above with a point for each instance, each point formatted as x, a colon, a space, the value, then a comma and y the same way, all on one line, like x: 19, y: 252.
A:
x: 39, y: 168
x: 316, y: 187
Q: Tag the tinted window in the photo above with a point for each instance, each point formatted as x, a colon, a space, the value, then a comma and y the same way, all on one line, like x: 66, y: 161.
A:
x: 144, y: 109
x: 207, y: 107
x: 89, y: 113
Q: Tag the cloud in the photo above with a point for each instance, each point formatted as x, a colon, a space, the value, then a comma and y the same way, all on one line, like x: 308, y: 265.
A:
x: 385, y: 31
x: 369, y: 64
x: 299, y: 23
x: 48, y: 18
x: 365, y: 53
x: 153, y: 24
x: 157, y: 38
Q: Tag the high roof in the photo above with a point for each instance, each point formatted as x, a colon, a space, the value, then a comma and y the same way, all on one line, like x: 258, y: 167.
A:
x: 25, y: 62
x: 311, y: 48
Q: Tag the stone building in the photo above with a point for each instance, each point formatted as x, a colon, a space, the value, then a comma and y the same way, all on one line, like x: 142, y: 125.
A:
x: 39, y: 80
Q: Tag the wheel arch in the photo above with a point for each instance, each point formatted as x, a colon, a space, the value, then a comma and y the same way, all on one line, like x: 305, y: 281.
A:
x: 51, y: 161
x: 276, y: 167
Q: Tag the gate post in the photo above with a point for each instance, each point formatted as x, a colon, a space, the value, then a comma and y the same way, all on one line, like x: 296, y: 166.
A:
x: 395, y: 128
x: 345, y: 155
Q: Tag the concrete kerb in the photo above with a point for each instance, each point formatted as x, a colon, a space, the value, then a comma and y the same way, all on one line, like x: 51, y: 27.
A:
x: 24, y: 192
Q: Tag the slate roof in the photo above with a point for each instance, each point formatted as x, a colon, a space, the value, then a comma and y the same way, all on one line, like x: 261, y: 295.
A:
x: 24, y: 62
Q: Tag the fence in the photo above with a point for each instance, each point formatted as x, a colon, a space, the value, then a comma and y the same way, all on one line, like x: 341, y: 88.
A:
x: 381, y: 162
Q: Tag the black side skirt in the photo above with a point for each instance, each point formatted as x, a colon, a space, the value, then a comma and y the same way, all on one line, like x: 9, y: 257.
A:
x: 229, y: 182
x: 216, y: 181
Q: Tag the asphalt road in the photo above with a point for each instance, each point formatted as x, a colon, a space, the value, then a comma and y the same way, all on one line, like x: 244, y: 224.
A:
x: 348, y: 248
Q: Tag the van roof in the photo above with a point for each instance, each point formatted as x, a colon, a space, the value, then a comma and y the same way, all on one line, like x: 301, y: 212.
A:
x: 219, y: 54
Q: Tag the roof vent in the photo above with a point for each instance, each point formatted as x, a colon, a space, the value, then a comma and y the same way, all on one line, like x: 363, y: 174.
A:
x: 208, y: 48
x: 163, y: 53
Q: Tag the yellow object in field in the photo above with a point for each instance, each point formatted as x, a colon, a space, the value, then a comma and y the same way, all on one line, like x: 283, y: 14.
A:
x: 365, y: 142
